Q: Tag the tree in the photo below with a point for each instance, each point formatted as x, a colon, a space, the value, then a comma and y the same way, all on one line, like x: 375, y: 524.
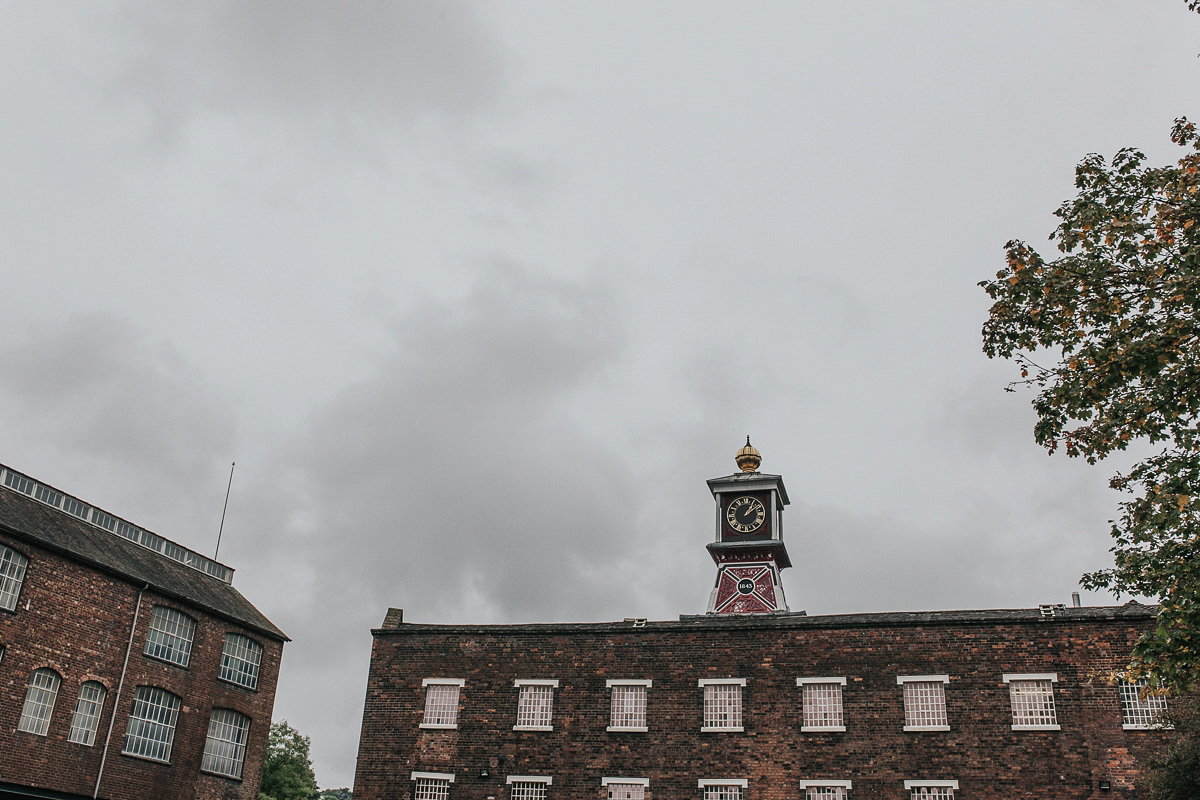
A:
x: 1116, y: 320
x: 287, y: 769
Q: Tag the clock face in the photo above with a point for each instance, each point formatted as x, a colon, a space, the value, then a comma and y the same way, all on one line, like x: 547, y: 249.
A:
x: 745, y: 514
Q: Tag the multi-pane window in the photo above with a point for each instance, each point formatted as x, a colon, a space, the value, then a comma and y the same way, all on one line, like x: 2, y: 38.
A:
x: 824, y: 793
x: 430, y: 786
x: 535, y: 704
x: 1139, y: 709
x: 722, y: 704
x: 723, y: 789
x: 628, y: 709
x: 924, y: 702
x: 12, y: 573
x: 225, y: 747
x: 170, y: 636
x: 151, y: 728
x: 240, y: 659
x: 822, y: 704
x: 522, y: 787
x: 86, y: 718
x: 625, y: 788
x: 40, y: 695
x: 1032, y: 698
x: 931, y: 790
x: 441, y: 702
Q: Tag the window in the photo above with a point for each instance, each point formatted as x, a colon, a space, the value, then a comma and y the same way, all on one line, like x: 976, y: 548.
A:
x: 822, y: 704
x: 441, y: 702
x: 535, y: 705
x: 86, y: 718
x: 12, y: 573
x: 240, y: 659
x: 225, y: 746
x: 1140, y: 710
x: 931, y: 790
x: 151, y: 728
x: 170, y: 636
x: 628, y: 705
x: 924, y: 702
x: 723, y: 789
x: 626, y: 788
x: 824, y: 790
x: 40, y: 695
x: 1032, y: 698
x: 432, y: 785
x: 527, y: 787
x: 722, y: 704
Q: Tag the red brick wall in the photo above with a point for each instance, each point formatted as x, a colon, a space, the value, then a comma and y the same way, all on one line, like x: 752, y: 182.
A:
x: 76, y: 620
x: 981, y: 751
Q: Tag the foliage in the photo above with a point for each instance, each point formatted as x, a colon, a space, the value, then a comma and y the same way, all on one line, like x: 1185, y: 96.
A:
x: 1176, y: 775
x: 287, y: 769
x: 1119, y: 315
x: 344, y: 794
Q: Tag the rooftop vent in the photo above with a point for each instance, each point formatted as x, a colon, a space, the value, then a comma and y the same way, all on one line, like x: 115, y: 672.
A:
x: 102, y: 519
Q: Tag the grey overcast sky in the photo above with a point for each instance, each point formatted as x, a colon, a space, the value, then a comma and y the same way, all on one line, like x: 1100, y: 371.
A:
x: 478, y: 295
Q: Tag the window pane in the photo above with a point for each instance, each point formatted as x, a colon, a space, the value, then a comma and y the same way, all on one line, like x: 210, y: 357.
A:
x: 528, y: 791
x: 722, y: 706
x: 240, y: 659
x: 151, y: 728
x: 823, y: 706
x: 225, y: 747
x: 441, y: 704
x: 12, y: 573
x: 628, y: 707
x: 39, y: 701
x: 825, y: 793
x: 432, y: 789
x: 626, y: 791
x: 722, y: 792
x: 924, y: 703
x: 170, y: 636
x: 1032, y: 702
x: 933, y: 793
x: 87, y: 713
x: 535, y: 706
x: 1139, y: 708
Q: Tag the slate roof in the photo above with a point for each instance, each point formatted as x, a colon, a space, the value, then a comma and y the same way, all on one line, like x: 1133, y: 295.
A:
x: 393, y: 623
x: 26, y: 519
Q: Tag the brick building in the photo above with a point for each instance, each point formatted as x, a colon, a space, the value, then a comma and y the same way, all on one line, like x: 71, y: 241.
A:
x: 130, y: 668
x: 754, y: 702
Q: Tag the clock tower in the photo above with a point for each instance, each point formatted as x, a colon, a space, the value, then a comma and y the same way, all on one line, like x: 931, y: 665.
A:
x: 749, y: 549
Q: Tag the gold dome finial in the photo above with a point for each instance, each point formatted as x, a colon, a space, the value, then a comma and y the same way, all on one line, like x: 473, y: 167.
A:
x: 748, y: 458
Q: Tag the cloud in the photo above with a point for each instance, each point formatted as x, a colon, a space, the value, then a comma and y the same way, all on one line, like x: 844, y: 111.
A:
x: 98, y: 408
x: 311, y: 59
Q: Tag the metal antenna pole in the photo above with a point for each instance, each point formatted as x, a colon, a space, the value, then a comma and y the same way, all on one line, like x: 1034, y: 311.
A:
x: 223, y: 510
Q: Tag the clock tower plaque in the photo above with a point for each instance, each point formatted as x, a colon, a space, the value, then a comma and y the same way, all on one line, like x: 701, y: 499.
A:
x: 749, y: 550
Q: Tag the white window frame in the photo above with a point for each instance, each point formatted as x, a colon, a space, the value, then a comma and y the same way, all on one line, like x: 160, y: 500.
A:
x: 741, y: 682
x: 85, y: 719
x: 646, y: 683
x: 13, y: 565
x: 235, y: 660
x: 643, y: 783
x: 522, y: 682
x: 221, y: 751
x: 1152, y: 711
x: 801, y: 683
x: 1052, y: 677
x: 154, y: 723
x: 175, y: 648
x: 546, y: 779
x: 805, y: 785
x: 741, y: 783
x: 910, y: 785
x: 446, y: 778
x: 40, y: 700
x: 425, y: 684
x: 942, y: 679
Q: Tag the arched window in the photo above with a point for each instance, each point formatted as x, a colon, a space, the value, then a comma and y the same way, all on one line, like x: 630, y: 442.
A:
x: 170, y: 636
x: 39, y: 701
x: 240, y: 659
x: 86, y: 718
x: 12, y: 574
x: 225, y: 748
x: 151, y: 728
